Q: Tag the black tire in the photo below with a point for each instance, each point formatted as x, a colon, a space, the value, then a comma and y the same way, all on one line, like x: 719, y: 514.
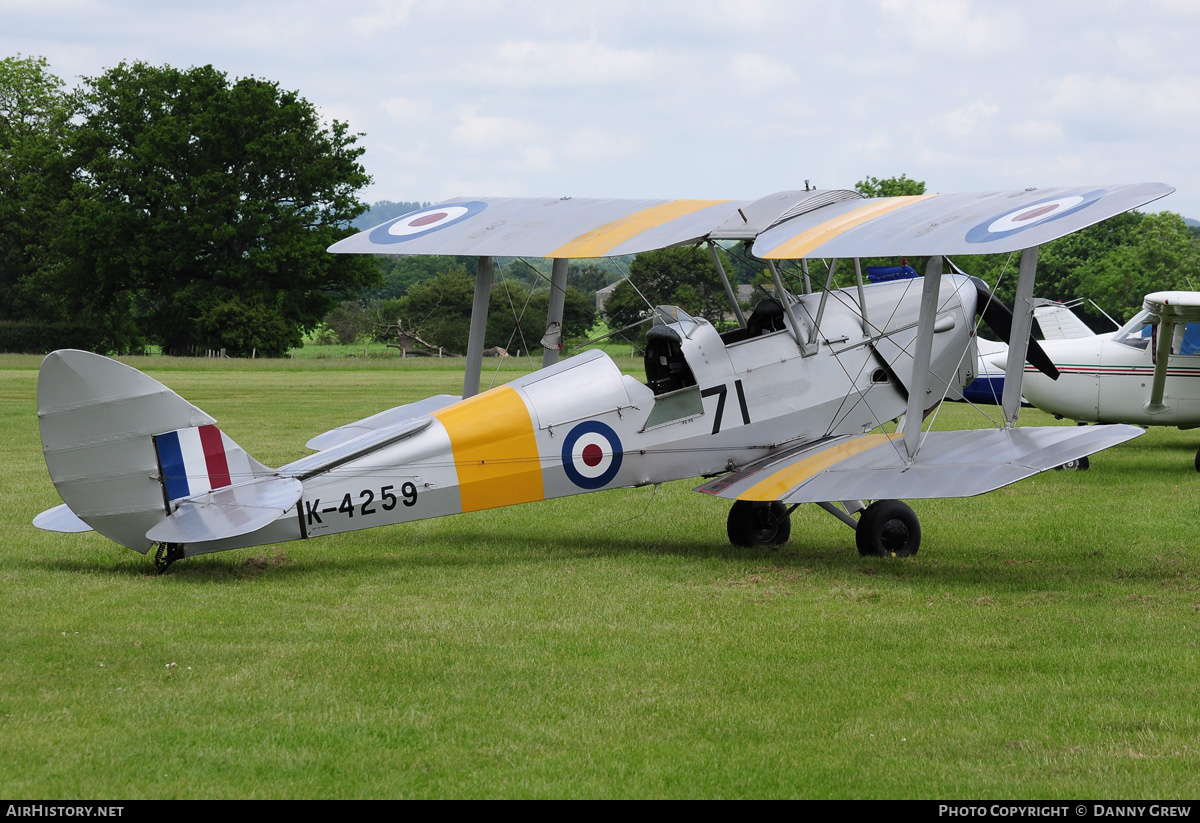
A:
x: 1198, y: 461
x: 888, y: 528
x: 758, y: 524
x: 1080, y: 465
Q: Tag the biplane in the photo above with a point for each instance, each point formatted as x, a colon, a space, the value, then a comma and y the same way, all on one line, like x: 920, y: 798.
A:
x: 794, y: 405
x: 1146, y: 373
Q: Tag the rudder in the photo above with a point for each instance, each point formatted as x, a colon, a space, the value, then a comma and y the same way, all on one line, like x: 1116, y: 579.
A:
x: 99, y: 420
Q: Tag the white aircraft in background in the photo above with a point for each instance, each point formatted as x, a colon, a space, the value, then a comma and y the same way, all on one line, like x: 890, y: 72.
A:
x: 788, y: 408
x: 1146, y: 373
x: 1053, y: 318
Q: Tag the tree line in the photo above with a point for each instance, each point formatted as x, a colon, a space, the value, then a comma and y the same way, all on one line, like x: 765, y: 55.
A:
x: 177, y: 208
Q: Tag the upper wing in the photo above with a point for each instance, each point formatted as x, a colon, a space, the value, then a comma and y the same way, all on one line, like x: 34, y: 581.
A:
x: 949, y: 464
x: 947, y: 224
x: 579, y: 227
x: 542, y: 227
x: 787, y: 224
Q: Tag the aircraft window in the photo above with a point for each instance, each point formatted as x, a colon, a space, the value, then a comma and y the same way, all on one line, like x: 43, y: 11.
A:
x: 1136, y: 333
x: 1187, y: 343
x: 666, y: 315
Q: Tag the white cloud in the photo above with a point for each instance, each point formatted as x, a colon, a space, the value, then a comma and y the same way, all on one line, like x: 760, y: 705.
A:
x: 1035, y: 130
x: 406, y: 109
x: 964, y: 120
x: 481, y: 131
x: 954, y: 27
x: 385, y: 14
x: 756, y: 73
x: 533, y: 64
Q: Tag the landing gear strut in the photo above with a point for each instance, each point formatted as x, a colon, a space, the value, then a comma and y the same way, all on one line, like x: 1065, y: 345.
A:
x: 888, y: 528
x: 753, y: 523
x: 167, y: 554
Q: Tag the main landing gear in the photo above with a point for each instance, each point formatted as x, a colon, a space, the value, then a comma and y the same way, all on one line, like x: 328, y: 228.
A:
x: 886, y: 528
x: 752, y: 523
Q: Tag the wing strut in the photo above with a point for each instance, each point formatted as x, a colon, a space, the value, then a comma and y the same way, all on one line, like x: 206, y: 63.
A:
x: 479, y: 313
x: 862, y: 300
x: 785, y: 299
x: 737, y: 309
x: 552, y: 341
x: 1018, y: 340
x: 922, y: 351
x: 1168, y: 309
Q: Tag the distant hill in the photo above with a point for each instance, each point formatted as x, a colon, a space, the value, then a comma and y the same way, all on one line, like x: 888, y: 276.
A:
x: 383, y: 211
x: 1193, y: 223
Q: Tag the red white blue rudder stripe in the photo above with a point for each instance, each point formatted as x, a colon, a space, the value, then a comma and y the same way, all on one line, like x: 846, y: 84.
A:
x: 199, y: 459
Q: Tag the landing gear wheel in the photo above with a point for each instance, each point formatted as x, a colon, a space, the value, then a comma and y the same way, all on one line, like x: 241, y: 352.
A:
x: 1198, y: 461
x: 1083, y: 464
x: 752, y: 523
x: 888, y: 528
x: 167, y: 554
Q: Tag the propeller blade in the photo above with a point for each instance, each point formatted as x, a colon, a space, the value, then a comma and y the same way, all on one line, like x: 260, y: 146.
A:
x: 999, y: 319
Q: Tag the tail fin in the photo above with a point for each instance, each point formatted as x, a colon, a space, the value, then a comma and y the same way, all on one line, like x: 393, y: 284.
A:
x: 120, y: 446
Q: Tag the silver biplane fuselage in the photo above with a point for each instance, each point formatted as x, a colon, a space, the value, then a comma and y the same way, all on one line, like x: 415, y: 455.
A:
x: 712, y: 403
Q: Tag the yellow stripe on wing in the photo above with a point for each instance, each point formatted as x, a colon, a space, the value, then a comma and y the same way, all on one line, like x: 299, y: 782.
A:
x: 789, y: 477
x: 804, y: 242
x: 603, y: 239
x: 494, y: 448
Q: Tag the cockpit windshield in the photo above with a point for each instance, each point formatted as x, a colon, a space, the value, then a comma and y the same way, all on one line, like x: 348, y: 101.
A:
x: 1136, y: 332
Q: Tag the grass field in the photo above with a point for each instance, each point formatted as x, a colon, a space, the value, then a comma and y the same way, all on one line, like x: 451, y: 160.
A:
x: 1043, y: 644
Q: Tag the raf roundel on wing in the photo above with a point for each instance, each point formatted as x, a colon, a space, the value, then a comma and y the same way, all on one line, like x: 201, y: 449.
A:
x: 420, y: 223
x: 1032, y: 214
x: 591, y: 455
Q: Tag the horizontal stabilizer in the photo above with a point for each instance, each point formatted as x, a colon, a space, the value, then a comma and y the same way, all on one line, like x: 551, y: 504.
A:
x: 948, y: 464
x: 383, y: 420
x: 356, y: 447
x: 61, y: 519
x: 228, y: 511
x: 1058, y: 322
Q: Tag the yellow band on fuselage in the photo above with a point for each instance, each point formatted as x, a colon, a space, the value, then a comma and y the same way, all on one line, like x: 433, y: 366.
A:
x: 806, y: 241
x: 601, y: 240
x: 783, y: 481
x: 495, y: 451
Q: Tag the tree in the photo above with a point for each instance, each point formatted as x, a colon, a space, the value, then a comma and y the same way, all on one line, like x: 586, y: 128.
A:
x: 402, y: 272
x: 683, y: 276
x: 889, y: 186
x: 439, y: 310
x: 204, y: 208
x: 35, y: 183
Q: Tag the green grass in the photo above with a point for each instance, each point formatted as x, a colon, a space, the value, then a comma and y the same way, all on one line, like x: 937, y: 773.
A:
x: 1043, y: 643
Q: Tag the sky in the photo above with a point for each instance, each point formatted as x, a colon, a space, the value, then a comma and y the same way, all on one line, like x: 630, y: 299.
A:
x: 692, y: 98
